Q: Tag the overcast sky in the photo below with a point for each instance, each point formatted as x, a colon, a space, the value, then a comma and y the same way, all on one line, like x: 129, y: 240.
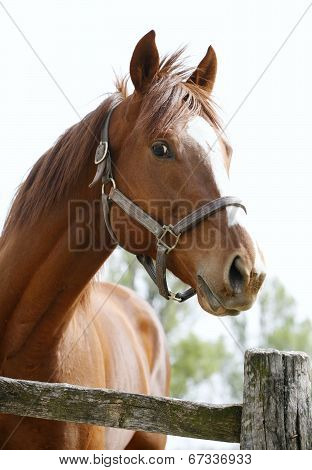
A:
x: 81, y: 42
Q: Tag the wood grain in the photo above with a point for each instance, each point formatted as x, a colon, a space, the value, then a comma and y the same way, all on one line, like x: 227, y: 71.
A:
x: 111, y: 408
x: 277, y: 411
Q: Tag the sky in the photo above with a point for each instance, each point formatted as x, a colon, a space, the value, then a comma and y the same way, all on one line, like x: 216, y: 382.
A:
x: 263, y: 88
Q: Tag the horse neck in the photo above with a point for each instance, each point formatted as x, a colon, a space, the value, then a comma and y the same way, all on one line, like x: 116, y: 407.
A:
x: 43, y: 278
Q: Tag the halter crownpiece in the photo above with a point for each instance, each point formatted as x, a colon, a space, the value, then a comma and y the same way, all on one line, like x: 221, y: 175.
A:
x: 156, y: 270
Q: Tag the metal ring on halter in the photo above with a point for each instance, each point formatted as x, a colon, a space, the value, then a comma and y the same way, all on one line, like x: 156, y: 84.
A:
x: 113, y: 183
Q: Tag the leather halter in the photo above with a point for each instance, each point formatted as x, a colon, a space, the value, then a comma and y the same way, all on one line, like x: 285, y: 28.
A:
x: 157, y: 271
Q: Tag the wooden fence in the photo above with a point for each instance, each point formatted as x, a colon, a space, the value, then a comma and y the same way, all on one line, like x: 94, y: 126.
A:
x: 276, y: 412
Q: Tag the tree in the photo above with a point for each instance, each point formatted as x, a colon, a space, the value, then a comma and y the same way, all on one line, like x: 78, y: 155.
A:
x: 194, y: 361
x: 279, y: 328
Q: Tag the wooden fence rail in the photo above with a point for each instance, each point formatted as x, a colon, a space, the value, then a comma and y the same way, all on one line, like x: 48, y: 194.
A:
x: 276, y: 413
x: 64, y: 402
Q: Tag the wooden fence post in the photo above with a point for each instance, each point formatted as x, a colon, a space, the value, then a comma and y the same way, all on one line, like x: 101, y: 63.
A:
x: 277, y: 411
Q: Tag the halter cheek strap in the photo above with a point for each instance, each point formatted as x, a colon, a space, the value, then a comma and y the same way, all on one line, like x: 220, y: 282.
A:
x: 167, y: 236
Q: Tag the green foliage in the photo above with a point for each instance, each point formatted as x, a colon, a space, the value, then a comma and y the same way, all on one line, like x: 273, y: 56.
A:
x: 292, y: 336
x: 234, y: 369
x: 235, y: 380
x: 194, y: 361
x: 276, y: 306
x: 280, y: 327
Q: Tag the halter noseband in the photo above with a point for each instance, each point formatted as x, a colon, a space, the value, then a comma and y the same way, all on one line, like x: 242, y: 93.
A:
x: 157, y: 271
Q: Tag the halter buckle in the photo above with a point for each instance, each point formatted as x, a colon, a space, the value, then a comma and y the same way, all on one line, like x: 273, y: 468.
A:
x: 101, y: 152
x: 161, y: 242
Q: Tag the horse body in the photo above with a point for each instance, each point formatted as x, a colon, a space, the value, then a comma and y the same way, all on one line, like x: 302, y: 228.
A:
x: 56, y: 324
x: 114, y: 341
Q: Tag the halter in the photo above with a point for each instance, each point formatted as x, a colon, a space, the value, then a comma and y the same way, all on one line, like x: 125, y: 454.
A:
x: 167, y: 236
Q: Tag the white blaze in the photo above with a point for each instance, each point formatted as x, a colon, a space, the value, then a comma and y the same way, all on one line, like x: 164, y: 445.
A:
x: 205, y: 135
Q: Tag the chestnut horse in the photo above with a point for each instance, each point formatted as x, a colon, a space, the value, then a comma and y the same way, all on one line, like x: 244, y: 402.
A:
x: 170, y: 156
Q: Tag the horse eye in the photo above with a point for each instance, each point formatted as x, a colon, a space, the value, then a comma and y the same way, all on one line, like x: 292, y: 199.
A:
x: 160, y: 149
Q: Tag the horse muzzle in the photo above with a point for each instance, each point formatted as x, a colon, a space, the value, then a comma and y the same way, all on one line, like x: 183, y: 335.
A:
x: 238, y: 292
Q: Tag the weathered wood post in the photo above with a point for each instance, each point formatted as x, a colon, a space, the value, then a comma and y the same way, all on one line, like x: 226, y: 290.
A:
x: 277, y: 411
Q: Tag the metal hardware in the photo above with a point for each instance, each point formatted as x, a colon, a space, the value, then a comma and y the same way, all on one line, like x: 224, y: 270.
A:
x: 101, y: 152
x: 160, y: 240
x: 110, y: 180
x: 173, y: 296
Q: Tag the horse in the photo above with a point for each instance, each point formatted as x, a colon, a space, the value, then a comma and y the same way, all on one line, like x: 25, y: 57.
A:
x: 169, y: 157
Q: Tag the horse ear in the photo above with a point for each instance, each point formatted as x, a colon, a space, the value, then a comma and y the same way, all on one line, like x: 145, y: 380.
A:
x: 205, y: 74
x: 144, y: 62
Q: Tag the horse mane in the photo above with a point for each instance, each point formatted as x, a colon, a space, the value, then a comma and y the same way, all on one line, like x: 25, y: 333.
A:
x: 169, y: 99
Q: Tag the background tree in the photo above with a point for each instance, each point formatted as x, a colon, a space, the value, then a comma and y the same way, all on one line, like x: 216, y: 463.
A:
x: 280, y: 327
x: 280, y: 324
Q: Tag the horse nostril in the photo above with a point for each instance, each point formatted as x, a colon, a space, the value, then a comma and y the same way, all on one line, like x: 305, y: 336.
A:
x: 238, y: 275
